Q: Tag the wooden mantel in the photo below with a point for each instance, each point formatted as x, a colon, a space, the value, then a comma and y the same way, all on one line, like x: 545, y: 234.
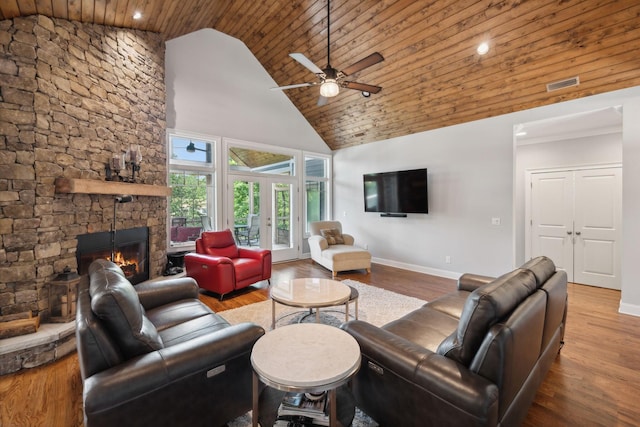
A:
x: 93, y: 186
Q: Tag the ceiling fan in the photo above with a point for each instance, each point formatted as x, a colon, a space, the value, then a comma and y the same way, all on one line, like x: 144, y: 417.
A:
x: 330, y: 79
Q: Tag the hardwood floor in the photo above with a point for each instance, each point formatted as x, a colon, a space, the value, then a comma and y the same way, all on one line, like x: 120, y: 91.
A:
x: 593, y: 382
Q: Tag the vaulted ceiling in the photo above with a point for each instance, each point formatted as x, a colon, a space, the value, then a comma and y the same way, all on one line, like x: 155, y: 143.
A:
x: 431, y: 75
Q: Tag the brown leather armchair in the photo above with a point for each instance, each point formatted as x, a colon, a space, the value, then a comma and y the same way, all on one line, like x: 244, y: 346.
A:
x: 154, y: 355
x: 220, y: 266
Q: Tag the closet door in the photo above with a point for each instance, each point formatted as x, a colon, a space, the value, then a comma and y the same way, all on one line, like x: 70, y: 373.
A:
x: 575, y: 221
x: 598, y: 203
x: 552, y: 218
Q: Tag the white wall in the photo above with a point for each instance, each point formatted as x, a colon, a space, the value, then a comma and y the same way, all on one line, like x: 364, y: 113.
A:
x: 471, y: 179
x: 215, y: 86
x: 584, y: 151
x: 469, y: 182
x: 631, y: 207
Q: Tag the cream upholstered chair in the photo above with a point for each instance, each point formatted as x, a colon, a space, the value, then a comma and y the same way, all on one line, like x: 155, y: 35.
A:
x: 334, y: 250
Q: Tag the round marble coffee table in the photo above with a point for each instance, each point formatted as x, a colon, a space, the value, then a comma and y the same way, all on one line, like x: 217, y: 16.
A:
x: 306, y: 357
x: 309, y: 293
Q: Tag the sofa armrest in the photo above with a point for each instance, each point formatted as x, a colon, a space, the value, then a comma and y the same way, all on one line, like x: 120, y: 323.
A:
x: 210, y: 260
x: 318, y: 243
x: 156, y: 293
x: 471, y: 282
x: 437, y: 376
x: 348, y: 239
x: 258, y: 254
x: 155, y: 370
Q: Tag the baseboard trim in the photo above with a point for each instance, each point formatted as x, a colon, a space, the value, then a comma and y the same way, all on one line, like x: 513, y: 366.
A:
x: 630, y: 309
x: 418, y: 268
x: 404, y: 266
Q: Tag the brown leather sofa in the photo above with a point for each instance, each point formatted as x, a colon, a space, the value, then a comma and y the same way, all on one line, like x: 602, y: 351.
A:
x: 474, y: 357
x: 154, y: 355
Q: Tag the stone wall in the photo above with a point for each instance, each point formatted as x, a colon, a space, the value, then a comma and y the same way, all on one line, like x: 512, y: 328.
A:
x: 72, y: 95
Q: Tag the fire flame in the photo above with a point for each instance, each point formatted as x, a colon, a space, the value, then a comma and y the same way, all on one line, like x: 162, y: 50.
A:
x: 128, y: 266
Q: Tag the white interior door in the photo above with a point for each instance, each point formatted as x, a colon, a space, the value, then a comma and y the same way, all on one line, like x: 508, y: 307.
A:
x: 598, y: 203
x: 552, y: 218
x: 575, y: 220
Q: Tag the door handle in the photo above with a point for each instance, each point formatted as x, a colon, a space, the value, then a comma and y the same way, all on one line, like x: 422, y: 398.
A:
x: 577, y: 233
x: 569, y: 233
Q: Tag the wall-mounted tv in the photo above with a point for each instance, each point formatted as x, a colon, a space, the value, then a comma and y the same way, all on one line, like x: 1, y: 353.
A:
x: 400, y: 192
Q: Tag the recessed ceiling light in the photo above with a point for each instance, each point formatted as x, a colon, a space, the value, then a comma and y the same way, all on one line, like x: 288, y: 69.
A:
x: 137, y: 15
x: 483, y: 48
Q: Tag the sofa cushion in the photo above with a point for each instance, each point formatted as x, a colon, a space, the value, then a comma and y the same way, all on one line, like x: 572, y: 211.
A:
x: 484, y: 307
x: 451, y: 303
x: 176, y: 312
x: 115, y: 302
x: 333, y: 236
x: 425, y: 327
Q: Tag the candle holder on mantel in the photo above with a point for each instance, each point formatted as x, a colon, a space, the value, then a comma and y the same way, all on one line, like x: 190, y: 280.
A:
x: 113, y: 168
x: 63, y: 294
x: 132, y: 160
x: 129, y: 160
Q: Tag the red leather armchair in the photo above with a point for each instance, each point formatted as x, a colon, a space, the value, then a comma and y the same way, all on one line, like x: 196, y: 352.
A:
x: 219, y: 266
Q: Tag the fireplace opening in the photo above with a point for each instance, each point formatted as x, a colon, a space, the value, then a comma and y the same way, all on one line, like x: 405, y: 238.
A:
x: 131, y: 251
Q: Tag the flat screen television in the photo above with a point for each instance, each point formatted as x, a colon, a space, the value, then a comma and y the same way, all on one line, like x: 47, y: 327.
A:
x: 400, y: 192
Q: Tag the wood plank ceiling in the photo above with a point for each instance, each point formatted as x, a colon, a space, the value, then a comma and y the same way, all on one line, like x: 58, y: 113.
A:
x: 431, y: 76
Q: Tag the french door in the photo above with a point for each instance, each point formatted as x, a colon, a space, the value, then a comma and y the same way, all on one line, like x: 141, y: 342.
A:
x: 262, y: 213
x: 575, y: 219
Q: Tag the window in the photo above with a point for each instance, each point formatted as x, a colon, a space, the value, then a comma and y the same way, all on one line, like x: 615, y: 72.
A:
x: 248, y: 160
x: 191, y: 178
x: 316, y: 176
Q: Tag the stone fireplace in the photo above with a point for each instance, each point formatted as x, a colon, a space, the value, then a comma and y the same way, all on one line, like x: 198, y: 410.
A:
x: 73, y: 96
x: 128, y: 248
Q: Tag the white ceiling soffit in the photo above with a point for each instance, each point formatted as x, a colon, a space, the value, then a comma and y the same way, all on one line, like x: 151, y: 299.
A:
x: 599, y: 122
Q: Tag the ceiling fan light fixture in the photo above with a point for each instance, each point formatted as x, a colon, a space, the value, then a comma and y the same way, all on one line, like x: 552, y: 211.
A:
x: 366, y: 94
x: 329, y: 88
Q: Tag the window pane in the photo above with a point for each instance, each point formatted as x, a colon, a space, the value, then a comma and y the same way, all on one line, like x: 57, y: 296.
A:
x: 191, y: 150
x: 189, y: 204
x: 242, y: 159
x: 316, y: 201
x: 314, y: 166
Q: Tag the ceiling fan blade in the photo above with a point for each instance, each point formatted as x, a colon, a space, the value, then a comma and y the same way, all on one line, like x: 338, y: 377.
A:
x: 293, y: 86
x: 363, y: 87
x: 322, y: 101
x: 306, y: 62
x: 370, y: 60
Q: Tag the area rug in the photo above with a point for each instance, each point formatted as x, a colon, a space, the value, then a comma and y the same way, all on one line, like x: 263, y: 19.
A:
x: 375, y: 305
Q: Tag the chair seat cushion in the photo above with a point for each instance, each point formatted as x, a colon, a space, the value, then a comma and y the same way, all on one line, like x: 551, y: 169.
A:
x: 247, y: 268
x: 345, y: 252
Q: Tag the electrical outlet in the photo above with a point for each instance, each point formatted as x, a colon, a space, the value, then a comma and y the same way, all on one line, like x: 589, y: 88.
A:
x: 447, y: 259
x: 496, y: 221
x: 365, y: 246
